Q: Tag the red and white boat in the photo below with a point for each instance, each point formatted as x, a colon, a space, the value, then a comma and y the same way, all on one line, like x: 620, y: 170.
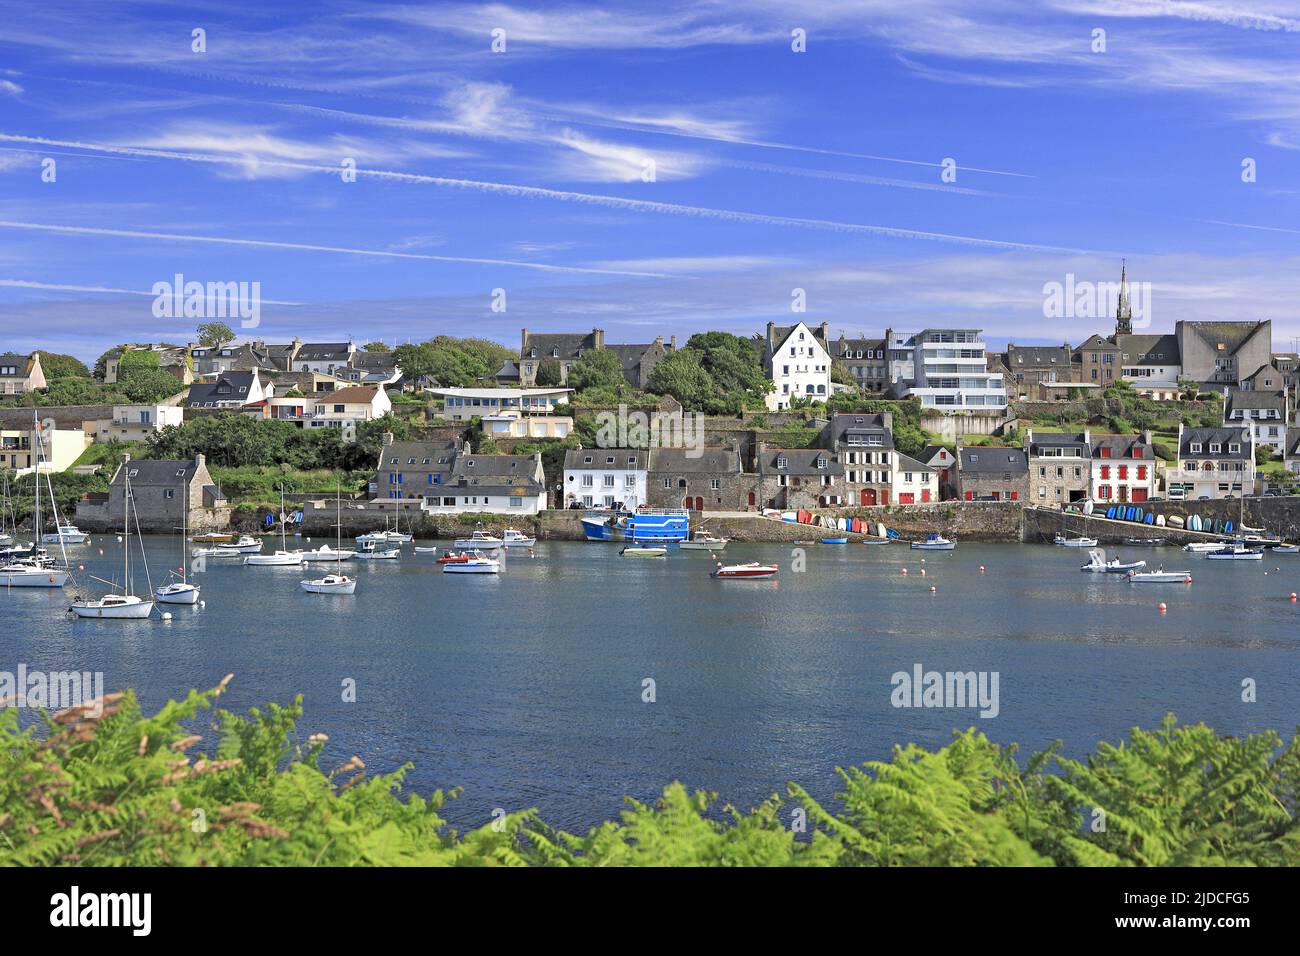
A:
x: 751, y: 570
x: 453, y: 557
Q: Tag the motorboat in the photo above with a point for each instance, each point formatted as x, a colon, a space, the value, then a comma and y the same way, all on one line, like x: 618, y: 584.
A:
x: 67, y: 534
x: 1097, y: 563
x: 641, y: 551
x: 32, y: 574
x: 372, y: 552
x: 384, y: 537
x: 1064, y: 542
x: 480, y: 540
x: 1286, y: 549
x: 1236, y: 552
x: 212, y: 537
x: 703, y: 542
x: 511, y: 538
x: 246, y: 544
x: 454, y: 557
x: 477, y: 563
x: 222, y: 551
x: 330, y: 584
x: 1203, y: 547
x: 283, y: 558
x: 1160, y: 576
x: 326, y: 553
x: 936, y: 542
x: 751, y: 570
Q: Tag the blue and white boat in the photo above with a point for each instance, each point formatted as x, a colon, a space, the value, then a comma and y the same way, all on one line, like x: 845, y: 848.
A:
x: 933, y: 542
x: 645, y: 525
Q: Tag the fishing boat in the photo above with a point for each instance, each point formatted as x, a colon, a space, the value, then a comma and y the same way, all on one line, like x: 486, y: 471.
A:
x: 1160, y: 576
x: 645, y: 524
x: 371, y: 551
x: 478, y: 563
x: 1081, y: 542
x: 283, y: 558
x: 1236, y: 552
x: 511, y: 538
x: 703, y: 541
x: 751, y: 570
x: 1144, y: 542
x: 1097, y: 563
x: 1203, y: 547
x: 124, y: 605
x: 642, y: 551
x: 936, y: 542
x: 67, y: 534
x: 480, y: 540
x: 179, y: 590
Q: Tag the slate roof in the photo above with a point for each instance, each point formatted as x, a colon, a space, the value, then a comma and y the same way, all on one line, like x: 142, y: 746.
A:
x: 685, y: 461
x: 1143, y: 350
x: 155, y: 472
x: 1222, y: 436
x: 800, y: 461
x: 1253, y: 399
x: 862, y: 424
x: 229, y: 387
x: 1058, y: 440
x: 929, y: 452
x: 323, y: 352
x: 908, y: 463
x: 495, y: 474
x: 21, y: 364
x: 568, y: 345
x: 1292, y: 443
x: 1121, y: 446
x: 992, y: 460
x: 1233, y: 335
x: 1036, y: 356
x: 625, y: 459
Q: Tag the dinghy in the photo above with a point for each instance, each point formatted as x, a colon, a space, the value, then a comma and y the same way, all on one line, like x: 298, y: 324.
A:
x: 635, y: 551
x: 1160, y: 576
x: 1097, y: 563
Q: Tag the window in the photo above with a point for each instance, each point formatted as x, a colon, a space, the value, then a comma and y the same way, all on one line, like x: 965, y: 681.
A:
x: 1194, y: 448
x: 668, y: 482
x: 516, y: 502
x: 715, y: 484
x: 782, y: 461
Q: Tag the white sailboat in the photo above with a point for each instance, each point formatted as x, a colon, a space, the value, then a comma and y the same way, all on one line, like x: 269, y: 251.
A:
x: 283, y: 558
x: 124, y: 605
x: 180, y: 591
x: 335, y: 583
x: 35, y: 569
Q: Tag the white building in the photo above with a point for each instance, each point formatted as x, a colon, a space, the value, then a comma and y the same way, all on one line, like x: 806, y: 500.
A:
x: 137, y: 422
x: 947, y: 369
x: 531, y: 426
x: 798, y: 361
x: 1122, y: 469
x: 462, y: 404
x: 493, y: 484
x: 913, y: 482
x: 1214, y: 463
x: 1267, y: 414
x: 348, y: 407
x: 605, y: 478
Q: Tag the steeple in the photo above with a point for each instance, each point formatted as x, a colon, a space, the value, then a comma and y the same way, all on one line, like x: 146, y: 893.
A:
x: 1123, y: 313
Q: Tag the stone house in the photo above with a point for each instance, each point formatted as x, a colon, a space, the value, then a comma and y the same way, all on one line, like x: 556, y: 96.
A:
x: 863, y: 442
x: 164, y: 492
x: 413, y: 469
x: 793, y: 478
x: 565, y: 348
x: 1060, y: 467
x: 1036, y: 372
x: 864, y: 362
x: 708, y: 479
x: 987, y: 473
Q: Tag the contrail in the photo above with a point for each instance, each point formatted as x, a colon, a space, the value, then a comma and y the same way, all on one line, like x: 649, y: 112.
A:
x: 99, y: 290
x: 309, y: 247
x: 597, y: 199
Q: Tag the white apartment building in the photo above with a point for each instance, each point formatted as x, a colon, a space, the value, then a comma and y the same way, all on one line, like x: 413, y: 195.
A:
x: 947, y: 369
x: 138, y: 422
x: 605, y: 478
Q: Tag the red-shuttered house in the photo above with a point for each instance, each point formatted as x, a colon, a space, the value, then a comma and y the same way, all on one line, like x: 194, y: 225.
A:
x: 988, y: 473
x: 1123, y: 467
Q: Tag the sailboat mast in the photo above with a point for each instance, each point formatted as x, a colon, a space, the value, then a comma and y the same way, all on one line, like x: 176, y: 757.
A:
x: 185, y: 513
x: 126, y: 525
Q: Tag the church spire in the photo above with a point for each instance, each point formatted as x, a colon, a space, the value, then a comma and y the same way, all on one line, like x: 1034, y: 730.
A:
x: 1123, y: 313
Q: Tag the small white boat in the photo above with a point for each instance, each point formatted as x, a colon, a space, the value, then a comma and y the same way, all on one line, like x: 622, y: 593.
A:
x: 330, y: 584
x: 936, y: 542
x: 1236, y: 552
x: 276, y: 559
x: 511, y: 538
x: 433, y: 550
x: 751, y: 570
x: 479, y: 539
x: 178, y: 592
x: 873, y: 540
x: 212, y: 537
x: 372, y: 552
x: 326, y: 553
x: 1203, y: 547
x: 221, y: 551
x: 67, y: 534
x: 114, y: 606
x: 1286, y: 549
x: 478, y: 563
x: 638, y: 551
x: 1160, y: 576
x: 1097, y: 563
x: 703, y: 542
x: 32, y: 575
x: 246, y: 544
x: 1064, y: 542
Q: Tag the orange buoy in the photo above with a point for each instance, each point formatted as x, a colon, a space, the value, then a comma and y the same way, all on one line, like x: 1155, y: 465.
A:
x: 932, y: 589
x: 1293, y: 595
x: 981, y: 569
x: 1162, y: 607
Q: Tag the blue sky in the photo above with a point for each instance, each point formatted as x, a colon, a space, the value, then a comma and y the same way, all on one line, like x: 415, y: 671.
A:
x: 523, y: 170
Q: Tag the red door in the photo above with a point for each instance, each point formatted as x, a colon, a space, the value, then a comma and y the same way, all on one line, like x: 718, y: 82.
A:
x: 868, y: 497
x: 686, y: 502
x: 925, y: 496
x: 906, y: 498
x: 751, y: 499
x: 1139, y: 494
x: 699, y: 504
x: 884, y: 496
x: 1015, y: 496
x: 970, y: 496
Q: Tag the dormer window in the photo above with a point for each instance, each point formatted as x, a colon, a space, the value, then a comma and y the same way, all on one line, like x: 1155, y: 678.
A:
x: 821, y: 462
x: 555, y: 353
x: 782, y: 461
x: 1215, y: 448
x: 1234, y: 449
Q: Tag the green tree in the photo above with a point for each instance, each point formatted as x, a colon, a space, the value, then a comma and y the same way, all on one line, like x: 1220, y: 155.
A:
x: 149, y: 385
x: 58, y: 366
x: 597, y: 369
x: 682, y: 375
x: 549, y: 373
x: 214, y: 334
x: 376, y: 347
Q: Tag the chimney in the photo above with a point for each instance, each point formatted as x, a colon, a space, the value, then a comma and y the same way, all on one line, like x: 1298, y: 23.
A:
x: 199, y: 460
x: 523, y: 340
x: 771, y: 331
x: 825, y: 331
x: 659, y: 341
x: 599, y: 335
x: 388, y: 438
x: 672, y: 342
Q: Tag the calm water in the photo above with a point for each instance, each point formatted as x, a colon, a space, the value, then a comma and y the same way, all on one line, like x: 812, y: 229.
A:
x: 525, y: 688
